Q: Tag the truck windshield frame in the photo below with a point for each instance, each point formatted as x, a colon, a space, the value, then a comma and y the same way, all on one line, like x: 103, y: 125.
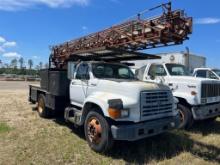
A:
x: 112, y: 71
x: 177, y: 70
x: 217, y: 71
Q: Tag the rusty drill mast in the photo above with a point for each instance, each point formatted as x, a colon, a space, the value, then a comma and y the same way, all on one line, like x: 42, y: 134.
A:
x: 172, y: 27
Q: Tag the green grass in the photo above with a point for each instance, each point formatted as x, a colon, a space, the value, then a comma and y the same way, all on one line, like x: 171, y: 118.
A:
x: 4, y: 127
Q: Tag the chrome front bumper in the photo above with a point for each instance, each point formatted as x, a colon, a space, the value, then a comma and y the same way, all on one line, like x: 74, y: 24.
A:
x: 206, y: 111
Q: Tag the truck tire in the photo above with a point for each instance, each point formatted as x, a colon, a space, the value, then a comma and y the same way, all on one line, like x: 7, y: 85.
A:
x: 186, y: 117
x: 97, y: 132
x: 43, y: 111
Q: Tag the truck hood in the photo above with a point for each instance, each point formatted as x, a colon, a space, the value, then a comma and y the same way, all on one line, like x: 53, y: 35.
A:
x: 190, y: 79
x: 126, y: 87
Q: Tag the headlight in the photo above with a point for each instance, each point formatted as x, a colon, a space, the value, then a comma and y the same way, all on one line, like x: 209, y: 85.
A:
x: 116, y: 109
x: 124, y: 113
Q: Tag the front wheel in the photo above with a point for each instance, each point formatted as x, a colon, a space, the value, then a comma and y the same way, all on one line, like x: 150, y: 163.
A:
x: 186, y: 117
x: 97, y: 132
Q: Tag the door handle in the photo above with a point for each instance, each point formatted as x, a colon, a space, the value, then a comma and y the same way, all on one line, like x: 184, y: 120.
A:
x: 73, y: 83
x: 93, y: 84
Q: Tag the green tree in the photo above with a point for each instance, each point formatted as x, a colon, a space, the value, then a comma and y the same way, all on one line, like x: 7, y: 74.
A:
x: 37, y: 67
x: 14, y: 63
x: 21, y: 61
x: 30, y: 63
x: 40, y: 65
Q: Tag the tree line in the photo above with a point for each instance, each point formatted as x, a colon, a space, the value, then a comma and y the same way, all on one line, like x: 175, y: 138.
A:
x: 18, y: 67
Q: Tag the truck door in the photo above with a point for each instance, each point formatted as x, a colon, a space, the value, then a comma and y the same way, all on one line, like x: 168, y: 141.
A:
x: 79, y: 85
x: 156, y: 73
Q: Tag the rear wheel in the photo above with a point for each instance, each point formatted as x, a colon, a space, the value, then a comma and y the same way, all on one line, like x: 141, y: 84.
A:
x: 43, y: 111
x: 97, y: 132
x: 186, y: 117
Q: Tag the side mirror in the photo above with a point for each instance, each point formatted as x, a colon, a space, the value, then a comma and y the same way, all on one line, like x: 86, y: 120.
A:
x: 71, y: 70
x: 152, y: 77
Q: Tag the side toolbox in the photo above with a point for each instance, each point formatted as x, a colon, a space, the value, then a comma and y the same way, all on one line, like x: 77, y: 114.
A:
x: 55, y: 82
x: 32, y: 94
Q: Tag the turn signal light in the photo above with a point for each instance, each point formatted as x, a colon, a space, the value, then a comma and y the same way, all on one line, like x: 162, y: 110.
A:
x: 193, y: 93
x: 114, y: 113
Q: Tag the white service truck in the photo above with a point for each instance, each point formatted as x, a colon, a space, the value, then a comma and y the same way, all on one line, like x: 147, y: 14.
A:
x: 103, y: 95
x: 199, y: 98
x: 207, y: 73
x: 108, y: 101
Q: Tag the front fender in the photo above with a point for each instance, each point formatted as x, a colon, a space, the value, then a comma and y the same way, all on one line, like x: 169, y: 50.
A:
x: 101, y: 99
x: 192, y: 100
x: 101, y: 102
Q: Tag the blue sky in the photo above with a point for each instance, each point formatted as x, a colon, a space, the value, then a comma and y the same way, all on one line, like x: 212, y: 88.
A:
x: 29, y: 27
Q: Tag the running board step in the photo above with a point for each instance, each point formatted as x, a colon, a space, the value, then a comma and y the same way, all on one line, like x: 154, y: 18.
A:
x: 73, y: 115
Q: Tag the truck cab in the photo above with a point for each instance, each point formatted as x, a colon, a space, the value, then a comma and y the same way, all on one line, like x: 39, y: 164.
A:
x: 207, y: 73
x: 111, y: 104
x: 199, y: 98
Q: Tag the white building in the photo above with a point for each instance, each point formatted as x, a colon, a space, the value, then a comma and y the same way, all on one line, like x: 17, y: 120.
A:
x: 191, y: 61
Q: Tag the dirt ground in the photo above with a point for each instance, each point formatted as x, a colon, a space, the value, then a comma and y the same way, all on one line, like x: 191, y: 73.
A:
x: 15, y: 85
x: 33, y: 140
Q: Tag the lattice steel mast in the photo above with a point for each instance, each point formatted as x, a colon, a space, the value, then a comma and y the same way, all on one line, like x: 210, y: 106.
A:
x: 170, y: 28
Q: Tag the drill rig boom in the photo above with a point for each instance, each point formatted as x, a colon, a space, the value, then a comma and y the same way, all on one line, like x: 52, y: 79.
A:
x: 170, y: 28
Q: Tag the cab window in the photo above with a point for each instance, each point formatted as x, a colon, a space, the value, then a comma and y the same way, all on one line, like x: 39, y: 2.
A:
x: 177, y: 70
x: 83, y: 72
x: 157, y: 70
x: 201, y: 73
x: 112, y: 71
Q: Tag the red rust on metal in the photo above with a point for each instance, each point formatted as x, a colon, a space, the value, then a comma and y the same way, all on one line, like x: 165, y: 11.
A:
x: 94, y: 131
x: 171, y: 28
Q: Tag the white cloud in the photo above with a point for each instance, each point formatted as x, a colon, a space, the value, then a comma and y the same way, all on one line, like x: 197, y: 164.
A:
x: 2, y: 50
x: 14, y: 5
x: 9, y: 44
x: 208, y: 20
x: 35, y: 57
x: 11, y: 55
x: 2, y: 39
x: 84, y: 28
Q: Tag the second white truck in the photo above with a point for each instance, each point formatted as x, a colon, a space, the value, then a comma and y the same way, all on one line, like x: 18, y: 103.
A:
x: 199, y: 98
x: 207, y: 73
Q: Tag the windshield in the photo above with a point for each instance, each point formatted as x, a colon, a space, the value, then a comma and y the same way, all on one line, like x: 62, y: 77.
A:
x: 177, y: 70
x: 112, y: 71
x: 217, y: 72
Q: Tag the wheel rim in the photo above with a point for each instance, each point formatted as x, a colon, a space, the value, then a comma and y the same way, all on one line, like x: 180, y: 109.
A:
x: 40, y: 106
x: 94, y: 130
x: 182, y: 117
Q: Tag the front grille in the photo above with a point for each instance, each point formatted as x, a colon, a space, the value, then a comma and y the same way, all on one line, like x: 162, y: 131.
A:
x: 210, y: 90
x: 156, y: 104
